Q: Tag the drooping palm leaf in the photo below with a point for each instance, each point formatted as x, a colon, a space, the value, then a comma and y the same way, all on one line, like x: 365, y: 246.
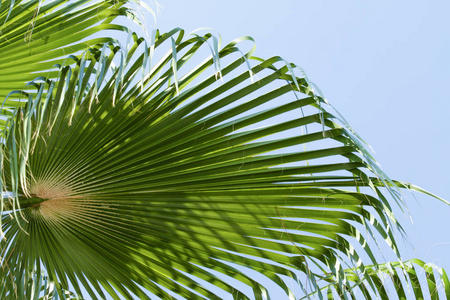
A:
x: 33, y: 285
x: 410, y: 279
x: 128, y: 184
x: 36, y: 36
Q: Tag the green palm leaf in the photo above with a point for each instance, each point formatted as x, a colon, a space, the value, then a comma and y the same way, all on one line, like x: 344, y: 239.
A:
x: 394, y: 280
x: 37, y: 36
x: 122, y: 184
x: 32, y: 285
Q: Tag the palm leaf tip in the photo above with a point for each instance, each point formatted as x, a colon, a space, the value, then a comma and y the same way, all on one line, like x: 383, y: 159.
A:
x: 164, y: 184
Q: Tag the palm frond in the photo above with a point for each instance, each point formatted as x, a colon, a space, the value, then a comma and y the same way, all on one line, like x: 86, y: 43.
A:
x: 33, y: 285
x: 121, y: 184
x: 36, y: 37
x: 394, y: 280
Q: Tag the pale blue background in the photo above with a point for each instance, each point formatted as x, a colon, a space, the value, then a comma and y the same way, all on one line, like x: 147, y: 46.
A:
x: 385, y: 65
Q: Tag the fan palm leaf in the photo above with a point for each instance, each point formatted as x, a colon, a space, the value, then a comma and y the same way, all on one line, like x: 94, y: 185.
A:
x: 178, y: 176
x: 121, y: 184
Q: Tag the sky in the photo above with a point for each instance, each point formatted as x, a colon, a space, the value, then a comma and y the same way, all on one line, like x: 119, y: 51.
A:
x: 385, y: 65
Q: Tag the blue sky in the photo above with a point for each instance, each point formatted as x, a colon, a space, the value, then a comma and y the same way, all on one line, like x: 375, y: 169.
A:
x: 384, y: 65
